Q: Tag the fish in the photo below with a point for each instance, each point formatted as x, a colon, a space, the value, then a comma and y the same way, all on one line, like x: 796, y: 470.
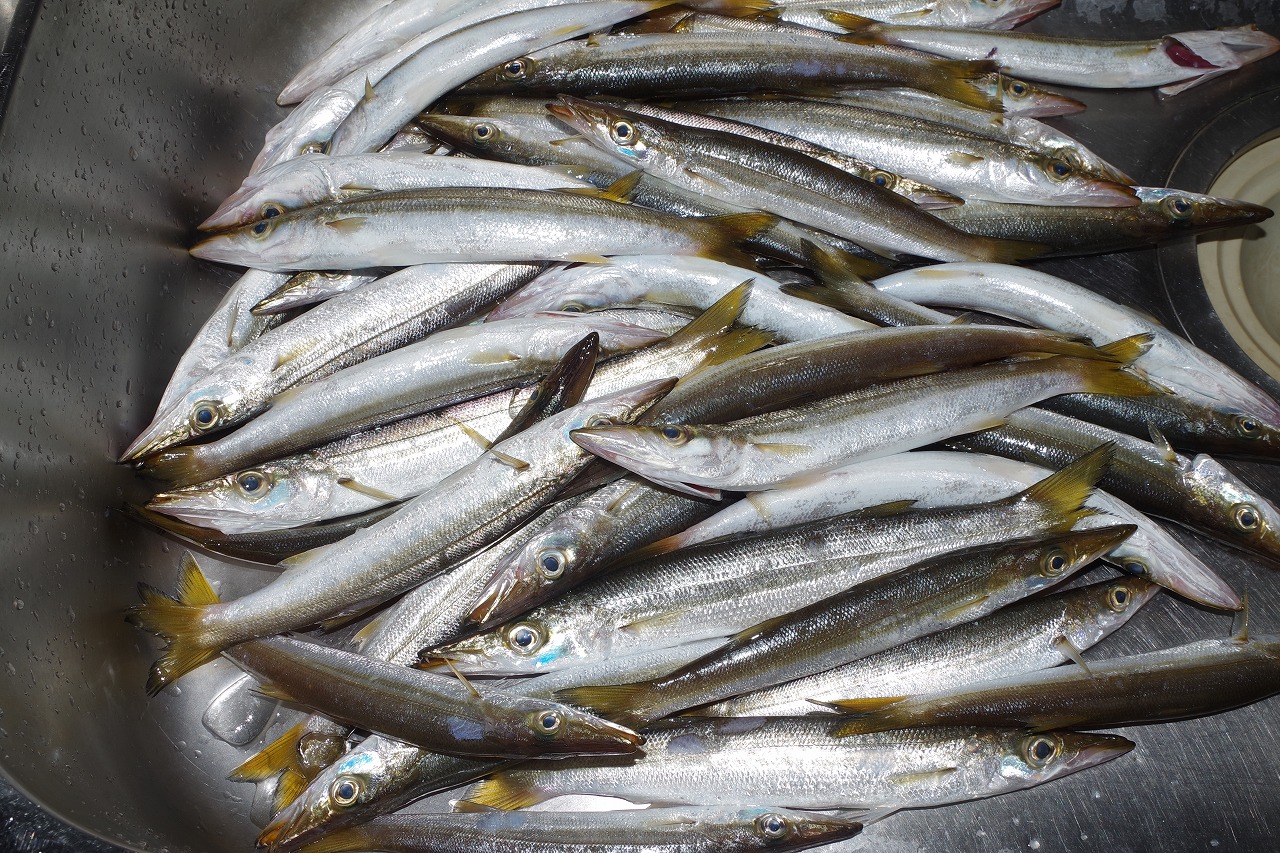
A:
x: 456, y: 57
x: 444, y: 368
x: 1150, y: 475
x: 428, y: 710
x: 544, y: 143
x: 581, y: 542
x: 942, y: 478
x: 710, y: 65
x: 677, y: 280
x: 397, y: 309
x: 467, y: 510
x: 968, y: 164
x: 1174, y: 62
x: 1193, y: 680
x: 1163, y: 214
x: 766, y: 450
x: 318, y: 178
x: 796, y: 763
x: 663, y: 598
x: 678, y: 830
x: 1051, y: 302
x: 983, y: 14
x: 473, y: 225
x: 1029, y: 635
x: 940, y: 593
x: 783, y: 181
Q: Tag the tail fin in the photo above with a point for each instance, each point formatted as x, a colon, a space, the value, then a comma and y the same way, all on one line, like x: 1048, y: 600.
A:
x: 1001, y: 251
x: 859, y: 30
x: 742, y: 8
x: 284, y: 757
x: 729, y: 230
x: 1063, y: 494
x: 1105, y: 377
x: 622, y: 703
x: 727, y: 346
x: 177, y: 620
x: 1126, y: 350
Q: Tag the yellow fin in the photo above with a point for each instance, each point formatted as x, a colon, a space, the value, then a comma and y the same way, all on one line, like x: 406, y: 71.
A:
x: 275, y: 758
x: 1162, y: 444
x: 287, y: 356
x: 780, y: 448
x: 747, y: 8
x: 368, y: 90
x: 964, y: 158
x: 303, y: 557
x: 965, y: 81
x: 368, y: 491
x: 588, y: 259
x: 177, y: 620
x: 344, y: 840
x: 867, y: 30
x: 500, y: 792
x: 748, y: 634
x: 653, y: 549
x: 347, y: 224
x: 729, y: 230
x: 471, y: 688
x: 356, y: 189
x: 861, y: 706
x: 231, y: 325
x: 960, y: 610
x: 1101, y: 377
x: 289, y: 788
x: 716, y: 320
x: 363, y: 636
x: 493, y: 357
x: 921, y: 777
x: 1127, y: 349
x: 1240, y: 630
x: 507, y: 459
x: 648, y: 623
x: 471, y: 433
x: 731, y: 344
x: 618, y: 191
x: 622, y: 703
x: 1065, y: 492
x: 272, y: 691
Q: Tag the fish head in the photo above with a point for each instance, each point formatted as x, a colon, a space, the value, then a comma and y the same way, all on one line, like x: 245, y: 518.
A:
x: 1021, y: 98
x: 538, y: 570
x: 1052, y: 559
x: 277, y: 494
x: 213, y: 404
x: 1097, y: 610
x: 347, y: 792
x: 487, y: 137
x: 1251, y: 518
x: 1041, y: 177
x: 1193, y: 211
x: 538, y: 642
x: 786, y: 829
x: 1035, y: 758
x: 671, y: 453
x: 547, y: 339
x: 638, y: 140
x: 990, y: 14
x: 584, y: 287
x: 269, y: 193
x: 551, y: 728
x: 309, y: 127
x: 1231, y: 432
x: 275, y: 243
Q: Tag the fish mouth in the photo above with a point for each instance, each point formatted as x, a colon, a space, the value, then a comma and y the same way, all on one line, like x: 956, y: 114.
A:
x: 1226, y: 212
x: 579, y: 113
x: 1018, y: 17
x: 1097, y: 749
x: 160, y: 435
x: 491, y: 606
x: 1048, y: 105
x: 616, y: 445
x: 1193, y: 580
x: 226, y: 216
x: 1091, y: 544
x: 220, y: 248
x: 618, y: 734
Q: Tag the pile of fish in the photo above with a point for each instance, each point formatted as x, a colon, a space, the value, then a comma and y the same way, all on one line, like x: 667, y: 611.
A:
x: 770, y: 549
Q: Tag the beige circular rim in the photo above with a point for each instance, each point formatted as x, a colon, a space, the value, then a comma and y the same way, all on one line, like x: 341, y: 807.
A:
x: 1253, y: 176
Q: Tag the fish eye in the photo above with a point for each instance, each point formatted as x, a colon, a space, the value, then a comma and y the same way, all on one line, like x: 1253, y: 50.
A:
x: 483, y: 132
x: 1040, y: 750
x: 1177, y: 207
x: 344, y: 791
x: 551, y: 564
x: 260, y: 227
x: 271, y: 209
x: 1135, y: 567
x: 1017, y: 87
x: 1248, y: 427
x: 312, y: 148
x: 773, y: 826
x: 547, y: 722
x: 1058, y: 170
x: 1246, y: 517
x: 675, y: 435
x: 599, y: 421
x: 524, y: 638
x: 204, y: 416
x: 516, y: 69
x: 882, y: 179
x: 253, y: 484
x: 1118, y: 598
x: 623, y: 133
x: 573, y: 307
x: 1054, y: 563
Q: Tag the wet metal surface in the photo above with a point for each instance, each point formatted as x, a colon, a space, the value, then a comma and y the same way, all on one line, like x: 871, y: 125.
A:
x: 127, y: 123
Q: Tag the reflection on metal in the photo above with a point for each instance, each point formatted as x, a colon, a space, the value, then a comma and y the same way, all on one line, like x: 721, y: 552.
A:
x: 1242, y: 271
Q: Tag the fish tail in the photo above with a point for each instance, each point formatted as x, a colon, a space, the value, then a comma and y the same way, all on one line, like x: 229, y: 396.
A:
x: 746, y: 8
x: 1061, y: 343
x: 501, y: 792
x: 344, y: 840
x: 626, y: 704
x: 858, y: 30
x: 866, y: 716
x: 729, y: 230
x: 1127, y: 349
x: 733, y: 343
x: 1000, y: 251
x: 181, y: 466
x: 653, y: 549
x: 1106, y: 377
x: 282, y: 757
x: 716, y: 320
x: 1063, y: 494
x: 177, y: 620
x: 965, y: 81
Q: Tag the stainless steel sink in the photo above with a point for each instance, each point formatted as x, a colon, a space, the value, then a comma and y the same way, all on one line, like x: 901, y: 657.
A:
x: 126, y: 124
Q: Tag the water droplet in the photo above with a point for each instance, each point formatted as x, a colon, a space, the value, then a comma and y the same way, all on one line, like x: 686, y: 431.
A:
x: 18, y: 604
x: 1034, y: 844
